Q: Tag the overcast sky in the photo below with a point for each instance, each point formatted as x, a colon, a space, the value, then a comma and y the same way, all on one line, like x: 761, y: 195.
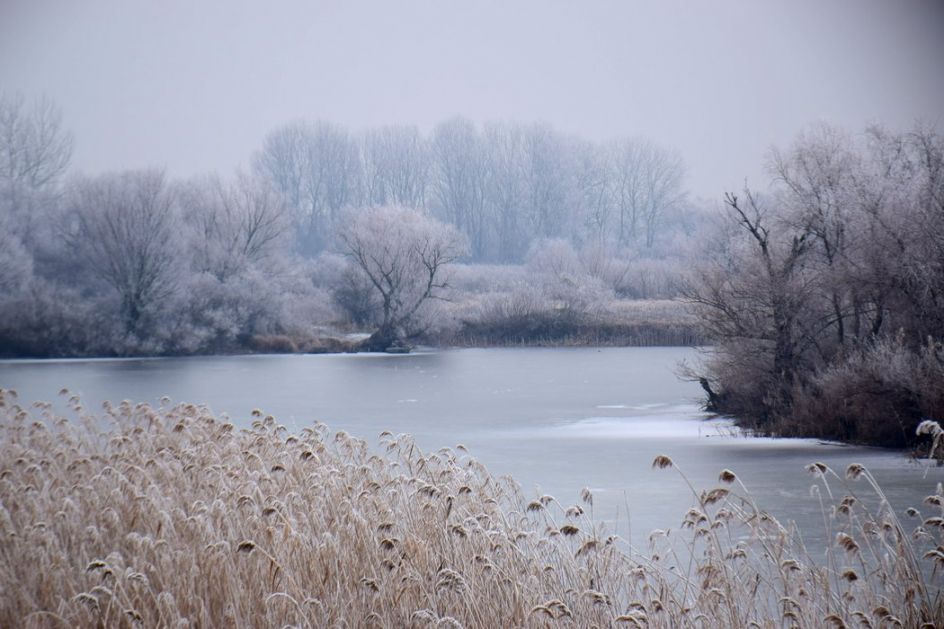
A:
x: 194, y: 85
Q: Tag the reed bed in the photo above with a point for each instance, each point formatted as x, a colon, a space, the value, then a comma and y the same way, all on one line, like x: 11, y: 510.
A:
x: 171, y: 517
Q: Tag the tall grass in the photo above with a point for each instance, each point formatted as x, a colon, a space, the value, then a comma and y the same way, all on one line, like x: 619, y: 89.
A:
x: 169, y: 516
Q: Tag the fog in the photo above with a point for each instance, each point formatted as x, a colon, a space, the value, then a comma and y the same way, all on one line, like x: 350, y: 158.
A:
x: 562, y: 233
x: 194, y: 87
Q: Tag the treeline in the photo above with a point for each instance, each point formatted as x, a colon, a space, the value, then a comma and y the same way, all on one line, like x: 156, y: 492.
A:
x: 132, y: 262
x: 502, y: 186
x: 825, y: 296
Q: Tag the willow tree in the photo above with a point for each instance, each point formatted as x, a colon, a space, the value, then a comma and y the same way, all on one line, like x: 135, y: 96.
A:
x: 404, y: 255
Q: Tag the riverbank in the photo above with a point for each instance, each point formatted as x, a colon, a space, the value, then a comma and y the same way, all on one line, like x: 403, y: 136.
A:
x: 621, y: 323
x: 155, y: 515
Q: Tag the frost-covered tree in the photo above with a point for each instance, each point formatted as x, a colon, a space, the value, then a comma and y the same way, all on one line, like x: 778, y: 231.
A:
x: 35, y: 151
x: 16, y: 263
x: 396, y: 166
x: 502, y: 186
x: 547, y: 181
x: 234, y: 224
x: 34, y: 148
x: 556, y: 267
x: 504, y: 145
x: 837, y: 271
x: 125, y: 229
x: 317, y: 167
x: 405, y: 257
x: 593, y: 191
x: 240, y: 261
x: 647, y: 182
x: 460, y: 181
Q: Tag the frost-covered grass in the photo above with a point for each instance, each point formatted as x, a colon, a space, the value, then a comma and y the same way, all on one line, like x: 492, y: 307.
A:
x: 170, y: 516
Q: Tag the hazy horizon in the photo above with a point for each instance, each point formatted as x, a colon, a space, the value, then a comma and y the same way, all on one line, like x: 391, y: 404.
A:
x: 195, y: 88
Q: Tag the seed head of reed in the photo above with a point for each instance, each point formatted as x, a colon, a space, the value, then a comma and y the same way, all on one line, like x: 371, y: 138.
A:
x: 854, y: 471
x: 727, y: 476
x: 661, y: 462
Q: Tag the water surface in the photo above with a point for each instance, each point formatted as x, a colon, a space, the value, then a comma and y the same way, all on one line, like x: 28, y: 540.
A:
x: 557, y: 420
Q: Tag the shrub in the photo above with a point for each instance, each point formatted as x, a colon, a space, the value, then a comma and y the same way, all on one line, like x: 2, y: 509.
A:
x: 273, y: 344
x: 875, y: 395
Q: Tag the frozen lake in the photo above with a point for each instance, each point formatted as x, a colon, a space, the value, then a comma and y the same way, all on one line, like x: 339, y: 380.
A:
x: 557, y: 420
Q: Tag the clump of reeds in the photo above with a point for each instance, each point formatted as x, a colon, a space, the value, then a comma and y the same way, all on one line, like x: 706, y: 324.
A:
x: 141, y: 516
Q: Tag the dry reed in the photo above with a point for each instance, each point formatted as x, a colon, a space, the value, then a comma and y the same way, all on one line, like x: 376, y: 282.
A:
x: 169, y: 516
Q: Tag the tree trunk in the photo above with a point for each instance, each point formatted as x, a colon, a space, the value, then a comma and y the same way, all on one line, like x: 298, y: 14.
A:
x: 380, y: 340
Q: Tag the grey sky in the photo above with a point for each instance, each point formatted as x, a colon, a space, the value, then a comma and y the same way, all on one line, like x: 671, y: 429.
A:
x: 195, y: 85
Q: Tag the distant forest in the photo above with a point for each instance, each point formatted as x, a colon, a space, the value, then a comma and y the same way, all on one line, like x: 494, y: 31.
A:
x: 822, y: 295
x: 550, y: 232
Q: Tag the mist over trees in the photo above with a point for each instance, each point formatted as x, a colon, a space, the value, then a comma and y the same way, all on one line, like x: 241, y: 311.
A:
x: 36, y: 149
x: 501, y: 186
x: 330, y: 231
x: 825, y: 296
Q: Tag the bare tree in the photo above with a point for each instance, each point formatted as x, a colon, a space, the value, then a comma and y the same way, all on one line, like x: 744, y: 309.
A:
x: 318, y: 169
x: 663, y: 181
x: 501, y: 186
x: 825, y: 309
x: 752, y: 297
x: 404, y: 255
x: 34, y: 148
x: 35, y: 151
x: 902, y: 201
x: 283, y: 158
x: 16, y: 263
x: 504, y: 145
x: 396, y: 166
x: 125, y: 231
x: 818, y: 176
x: 235, y: 224
x: 460, y: 181
x: 647, y: 182
x: 594, y: 191
x: 547, y: 181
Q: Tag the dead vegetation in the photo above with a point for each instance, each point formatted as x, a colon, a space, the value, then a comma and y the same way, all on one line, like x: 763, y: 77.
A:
x: 169, y: 516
